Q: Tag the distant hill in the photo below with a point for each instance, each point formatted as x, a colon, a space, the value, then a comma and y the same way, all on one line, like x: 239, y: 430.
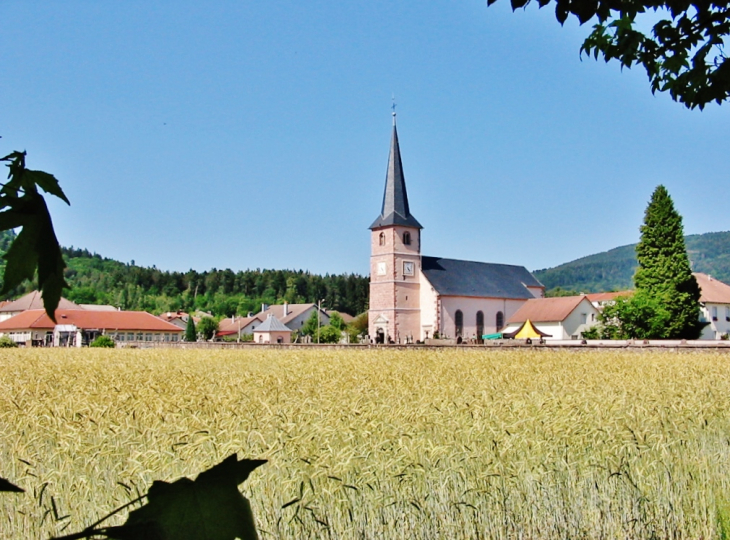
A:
x: 99, y: 280
x: 614, y: 269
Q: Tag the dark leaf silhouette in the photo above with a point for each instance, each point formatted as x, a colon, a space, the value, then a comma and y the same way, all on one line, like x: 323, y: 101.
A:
x: 8, y: 486
x: 36, y: 247
x: 209, y: 508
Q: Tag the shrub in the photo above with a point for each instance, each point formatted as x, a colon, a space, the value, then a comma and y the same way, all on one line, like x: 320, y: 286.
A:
x: 6, y: 342
x: 103, y: 341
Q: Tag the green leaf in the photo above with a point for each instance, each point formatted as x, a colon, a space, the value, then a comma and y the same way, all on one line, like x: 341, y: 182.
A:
x: 9, y: 487
x: 22, y: 256
x: 48, y: 183
x: 51, y: 281
x: 12, y: 219
x: 209, y: 508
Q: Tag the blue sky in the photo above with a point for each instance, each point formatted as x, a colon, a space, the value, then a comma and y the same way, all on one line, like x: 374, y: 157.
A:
x: 255, y: 134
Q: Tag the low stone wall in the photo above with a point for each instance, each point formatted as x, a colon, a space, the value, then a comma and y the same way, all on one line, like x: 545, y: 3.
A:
x: 699, y: 345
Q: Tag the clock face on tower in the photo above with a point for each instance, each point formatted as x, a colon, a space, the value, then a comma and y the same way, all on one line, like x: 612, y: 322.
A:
x: 381, y: 268
x: 408, y: 268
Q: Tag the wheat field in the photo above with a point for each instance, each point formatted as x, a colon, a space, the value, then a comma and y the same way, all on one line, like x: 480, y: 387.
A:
x: 377, y: 443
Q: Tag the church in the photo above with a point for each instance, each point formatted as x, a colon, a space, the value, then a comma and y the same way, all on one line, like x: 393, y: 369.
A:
x: 414, y: 297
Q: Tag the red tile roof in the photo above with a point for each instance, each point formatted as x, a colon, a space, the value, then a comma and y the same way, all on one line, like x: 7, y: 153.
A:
x: 88, y: 320
x: 607, y: 296
x: 546, y: 309
x: 713, y: 291
x: 231, y: 326
x: 34, y: 300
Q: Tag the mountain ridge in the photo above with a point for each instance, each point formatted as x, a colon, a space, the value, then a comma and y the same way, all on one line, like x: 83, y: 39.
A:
x: 613, y: 270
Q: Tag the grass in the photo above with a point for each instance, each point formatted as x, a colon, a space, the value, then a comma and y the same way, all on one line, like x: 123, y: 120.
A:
x: 378, y: 444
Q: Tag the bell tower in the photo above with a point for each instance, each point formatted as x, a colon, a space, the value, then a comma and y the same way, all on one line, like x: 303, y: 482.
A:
x: 395, y: 260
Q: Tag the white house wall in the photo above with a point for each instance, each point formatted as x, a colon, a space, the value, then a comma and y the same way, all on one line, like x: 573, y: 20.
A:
x: 297, y: 322
x: 584, y: 313
x: 469, y: 307
x: 717, y: 328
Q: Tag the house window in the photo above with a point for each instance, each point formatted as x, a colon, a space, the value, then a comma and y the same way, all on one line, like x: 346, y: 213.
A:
x: 480, y: 324
x: 174, y: 337
x: 140, y: 336
x: 714, y: 313
x: 382, y: 238
x: 500, y: 321
x: 407, y: 238
x: 459, y: 323
x: 727, y: 313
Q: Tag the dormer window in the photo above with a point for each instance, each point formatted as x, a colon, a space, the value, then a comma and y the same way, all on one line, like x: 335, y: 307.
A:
x: 382, y: 238
x: 406, y: 238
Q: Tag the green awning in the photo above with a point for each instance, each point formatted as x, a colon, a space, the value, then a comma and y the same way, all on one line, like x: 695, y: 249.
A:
x: 492, y: 336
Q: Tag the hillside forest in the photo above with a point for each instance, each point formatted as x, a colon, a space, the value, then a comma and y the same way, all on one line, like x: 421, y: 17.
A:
x: 98, y: 280
x: 613, y: 270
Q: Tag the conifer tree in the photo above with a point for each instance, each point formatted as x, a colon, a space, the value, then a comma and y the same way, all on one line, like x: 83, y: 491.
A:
x: 664, y: 275
x: 190, y: 334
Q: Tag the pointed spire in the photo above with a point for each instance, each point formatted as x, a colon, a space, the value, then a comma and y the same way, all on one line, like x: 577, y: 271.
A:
x: 395, y: 209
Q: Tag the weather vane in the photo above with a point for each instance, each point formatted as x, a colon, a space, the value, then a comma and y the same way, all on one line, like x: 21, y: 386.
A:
x: 393, y: 107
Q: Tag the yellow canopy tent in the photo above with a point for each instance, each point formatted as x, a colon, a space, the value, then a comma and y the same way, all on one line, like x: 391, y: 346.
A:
x: 526, y: 331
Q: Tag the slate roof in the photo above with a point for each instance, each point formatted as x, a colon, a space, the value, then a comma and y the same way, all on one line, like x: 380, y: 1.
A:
x: 395, y: 210
x: 272, y: 324
x: 712, y: 290
x: 547, y: 309
x: 451, y: 277
x: 102, y: 320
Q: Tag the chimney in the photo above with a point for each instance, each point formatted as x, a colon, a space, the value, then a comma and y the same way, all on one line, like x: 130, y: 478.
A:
x: 286, y: 309
x: 264, y: 307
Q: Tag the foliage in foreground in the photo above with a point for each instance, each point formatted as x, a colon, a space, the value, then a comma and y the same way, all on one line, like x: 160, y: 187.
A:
x: 36, y: 247
x: 683, y: 54
x: 377, y: 444
x: 210, y: 507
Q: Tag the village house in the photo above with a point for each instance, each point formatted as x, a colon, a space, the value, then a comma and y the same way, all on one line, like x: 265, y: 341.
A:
x: 34, y: 300
x: 714, y: 306
x: 78, y: 327
x: 293, y: 316
x: 414, y: 297
x: 272, y: 330
x: 565, y: 317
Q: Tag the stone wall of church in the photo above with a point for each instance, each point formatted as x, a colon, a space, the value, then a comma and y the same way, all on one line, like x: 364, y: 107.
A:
x: 469, y: 307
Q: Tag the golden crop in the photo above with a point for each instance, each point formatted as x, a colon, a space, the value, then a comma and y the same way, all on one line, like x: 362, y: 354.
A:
x: 377, y: 443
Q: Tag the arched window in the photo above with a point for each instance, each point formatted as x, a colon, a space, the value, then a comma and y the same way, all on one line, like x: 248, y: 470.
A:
x: 459, y: 323
x: 500, y: 320
x: 382, y: 238
x: 407, y: 238
x: 480, y: 324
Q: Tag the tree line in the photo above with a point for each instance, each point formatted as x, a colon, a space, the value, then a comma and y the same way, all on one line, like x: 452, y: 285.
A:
x: 94, y: 279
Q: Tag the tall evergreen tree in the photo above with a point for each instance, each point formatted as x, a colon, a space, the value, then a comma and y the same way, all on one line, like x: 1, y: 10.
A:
x: 190, y: 334
x: 664, y: 274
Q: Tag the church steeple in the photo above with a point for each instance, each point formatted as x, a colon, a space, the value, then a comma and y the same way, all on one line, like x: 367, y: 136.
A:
x: 395, y: 209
